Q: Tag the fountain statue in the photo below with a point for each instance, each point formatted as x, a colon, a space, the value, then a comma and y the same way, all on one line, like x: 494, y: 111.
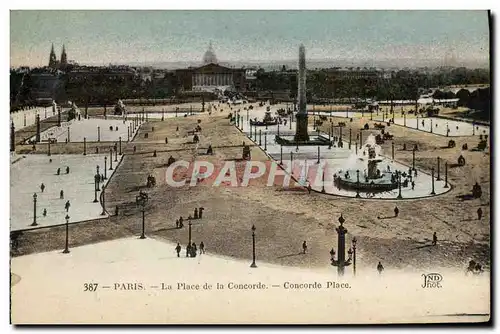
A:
x: 367, y: 161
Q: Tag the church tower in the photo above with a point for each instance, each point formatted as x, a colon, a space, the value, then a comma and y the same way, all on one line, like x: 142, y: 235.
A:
x: 64, y: 57
x: 52, y: 58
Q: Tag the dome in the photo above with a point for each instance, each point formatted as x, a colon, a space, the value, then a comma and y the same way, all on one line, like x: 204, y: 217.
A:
x: 209, y: 56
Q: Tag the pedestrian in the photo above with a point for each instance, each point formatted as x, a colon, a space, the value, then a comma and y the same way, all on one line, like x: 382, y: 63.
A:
x: 396, y: 211
x: 44, y: 212
x: 67, y: 169
x: 380, y: 267
x: 202, y: 248
x: 188, y: 250
x: 135, y: 148
x: 42, y: 187
x: 116, y: 210
x: 479, y: 213
x: 177, y: 223
x: 434, y: 239
x: 67, y: 205
x: 309, y: 188
x: 195, y: 213
x: 200, y: 212
x: 412, y: 185
x: 178, y: 249
x: 61, y: 194
x: 304, y: 247
x: 194, y: 249
x: 59, y: 171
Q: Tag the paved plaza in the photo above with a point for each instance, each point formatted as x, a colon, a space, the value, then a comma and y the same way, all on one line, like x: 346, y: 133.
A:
x: 29, y: 171
x: 25, y: 118
x: 334, y: 161
x: 92, y: 129
x: 53, y: 276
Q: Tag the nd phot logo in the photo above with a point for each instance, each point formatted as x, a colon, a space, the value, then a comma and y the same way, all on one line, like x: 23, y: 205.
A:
x: 432, y: 280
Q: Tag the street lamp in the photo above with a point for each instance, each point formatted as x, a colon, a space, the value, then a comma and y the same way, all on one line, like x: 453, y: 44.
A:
x: 103, y: 213
x: 399, y: 185
x: 105, y: 167
x: 141, y: 200
x: 110, y: 158
x: 354, y: 240
x: 446, y: 174
x: 341, y: 262
x: 189, y: 230
x: 66, y: 249
x: 253, y: 265
x: 97, y: 178
x: 357, y: 184
x: 34, y: 210
x: 432, y: 177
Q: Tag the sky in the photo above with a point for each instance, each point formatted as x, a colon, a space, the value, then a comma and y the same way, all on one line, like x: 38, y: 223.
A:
x: 121, y: 37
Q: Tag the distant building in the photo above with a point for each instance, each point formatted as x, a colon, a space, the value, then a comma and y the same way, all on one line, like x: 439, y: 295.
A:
x: 54, y: 63
x: 210, y: 76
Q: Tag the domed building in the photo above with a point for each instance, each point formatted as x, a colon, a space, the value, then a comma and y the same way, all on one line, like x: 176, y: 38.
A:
x: 209, y: 56
x: 211, y: 76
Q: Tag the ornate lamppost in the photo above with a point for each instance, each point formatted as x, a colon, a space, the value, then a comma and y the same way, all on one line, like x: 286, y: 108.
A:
x: 97, y: 178
x: 357, y: 184
x: 445, y: 174
x: 399, y: 185
x: 354, y: 241
x: 66, y: 248
x: 432, y: 177
x: 110, y: 158
x: 341, y: 262
x: 141, y: 200
x: 189, y: 230
x: 103, y: 213
x: 105, y: 167
x: 253, y: 265
x: 34, y: 210
x: 438, y: 169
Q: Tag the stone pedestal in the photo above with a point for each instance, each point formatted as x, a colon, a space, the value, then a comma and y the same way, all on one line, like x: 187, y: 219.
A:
x: 301, y: 133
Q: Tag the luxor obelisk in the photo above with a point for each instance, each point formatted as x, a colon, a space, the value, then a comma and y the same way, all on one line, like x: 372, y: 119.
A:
x: 301, y: 117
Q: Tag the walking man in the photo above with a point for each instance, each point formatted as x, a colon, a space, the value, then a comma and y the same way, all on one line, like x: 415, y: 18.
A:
x: 61, y: 194
x: 195, y: 213
x: 396, y: 211
x: 202, y: 248
x: 479, y: 213
x: 412, y: 185
x: 67, y: 205
x: 178, y: 249
x: 59, y: 171
x: 67, y: 169
x: 44, y: 212
x: 434, y: 239
x: 177, y: 223
x: 304, y: 247
x: 200, y: 212
x: 42, y: 187
x: 380, y: 267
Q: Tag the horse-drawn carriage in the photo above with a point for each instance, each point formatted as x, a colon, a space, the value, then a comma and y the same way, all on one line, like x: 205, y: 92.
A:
x: 379, y: 126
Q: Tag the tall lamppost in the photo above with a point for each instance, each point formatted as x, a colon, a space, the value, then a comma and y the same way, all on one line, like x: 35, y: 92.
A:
x: 97, y: 178
x: 110, y: 159
x: 260, y: 137
x: 350, y: 139
x: 318, y: 154
x: 103, y: 213
x: 116, y: 154
x: 399, y: 185
x: 431, y: 125
x: 322, y: 180
x: 357, y: 184
x: 445, y: 174
x: 105, y: 167
x: 432, y: 177
x: 281, y: 154
x: 413, y: 159
x: 120, y: 144
x: 341, y: 262
x: 438, y: 169
x: 48, y: 153
x: 141, y: 200
x: 84, y: 145
x: 34, y: 210
x: 265, y: 140
x: 392, y: 145
x: 253, y: 265
x: 189, y: 230
x: 354, y: 240
x: 66, y: 249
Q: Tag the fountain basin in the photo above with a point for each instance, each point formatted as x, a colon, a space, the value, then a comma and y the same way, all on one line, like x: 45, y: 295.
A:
x: 381, y: 184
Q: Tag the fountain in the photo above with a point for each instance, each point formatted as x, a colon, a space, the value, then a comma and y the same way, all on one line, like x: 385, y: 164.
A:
x: 368, y: 161
x: 268, y: 120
